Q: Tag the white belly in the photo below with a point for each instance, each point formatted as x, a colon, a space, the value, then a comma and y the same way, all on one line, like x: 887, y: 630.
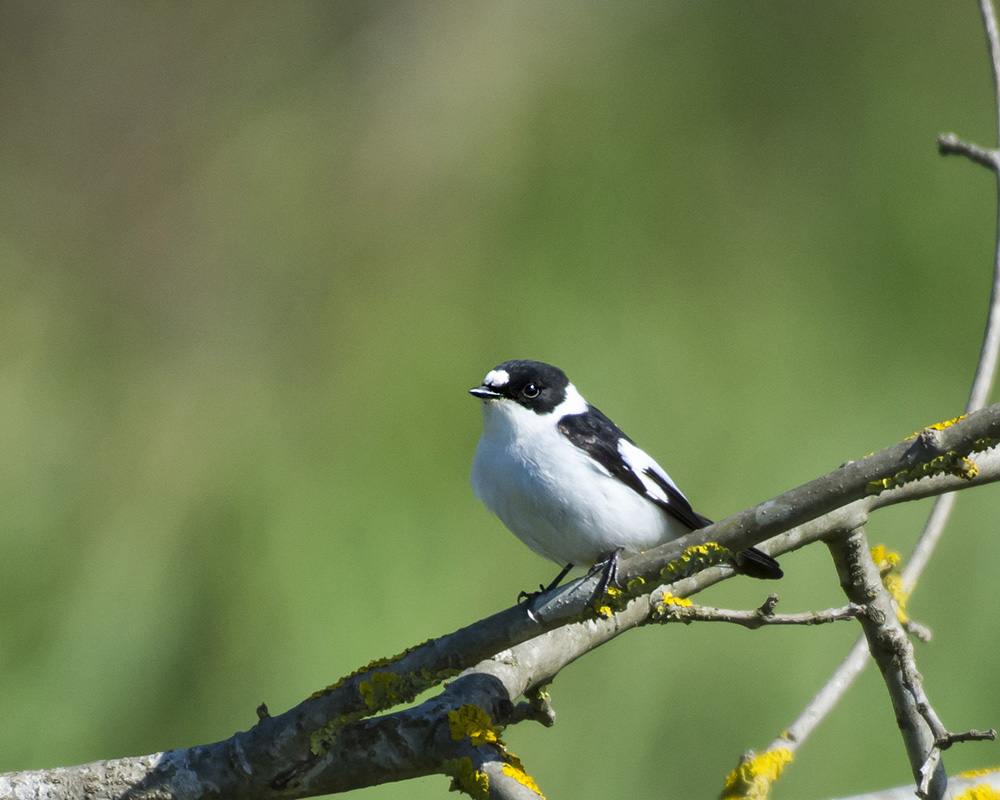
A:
x: 561, y: 503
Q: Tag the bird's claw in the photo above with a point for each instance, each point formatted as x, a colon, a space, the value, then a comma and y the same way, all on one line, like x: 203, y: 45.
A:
x: 528, y: 600
x: 527, y: 597
x: 609, y: 573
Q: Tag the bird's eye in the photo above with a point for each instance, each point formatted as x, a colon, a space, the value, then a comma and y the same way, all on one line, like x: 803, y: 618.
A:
x: 530, y: 391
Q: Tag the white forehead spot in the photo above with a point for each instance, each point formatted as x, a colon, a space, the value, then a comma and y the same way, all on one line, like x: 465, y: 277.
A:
x: 496, y: 378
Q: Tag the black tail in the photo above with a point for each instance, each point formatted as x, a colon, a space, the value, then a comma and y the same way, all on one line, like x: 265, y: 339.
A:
x: 758, y: 564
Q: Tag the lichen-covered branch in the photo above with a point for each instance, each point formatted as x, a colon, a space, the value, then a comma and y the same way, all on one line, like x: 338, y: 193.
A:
x: 924, y: 734
x: 893, y: 654
x: 977, y: 785
x: 985, y: 374
x: 942, y: 449
x: 335, y: 740
x: 676, y: 609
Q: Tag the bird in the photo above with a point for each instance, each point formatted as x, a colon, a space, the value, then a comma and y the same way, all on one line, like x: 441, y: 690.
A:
x: 569, y: 483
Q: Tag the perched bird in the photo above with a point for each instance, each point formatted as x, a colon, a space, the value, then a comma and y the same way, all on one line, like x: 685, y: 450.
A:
x: 569, y: 483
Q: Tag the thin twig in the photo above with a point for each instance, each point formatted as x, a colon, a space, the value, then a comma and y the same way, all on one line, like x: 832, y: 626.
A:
x: 993, y: 42
x: 825, y: 700
x: 949, y: 739
x: 989, y: 351
x: 986, y: 372
x: 915, y: 629
x: 672, y: 610
x: 950, y: 145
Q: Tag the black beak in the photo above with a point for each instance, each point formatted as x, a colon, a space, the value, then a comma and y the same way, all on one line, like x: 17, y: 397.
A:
x: 483, y: 393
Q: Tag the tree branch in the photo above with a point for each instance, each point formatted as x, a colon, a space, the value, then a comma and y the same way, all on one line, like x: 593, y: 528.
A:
x: 950, y: 145
x: 893, y: 654
x: 332, y: 742
x: 983, y: 784
x: 852, y: 665
x: 673, y: 609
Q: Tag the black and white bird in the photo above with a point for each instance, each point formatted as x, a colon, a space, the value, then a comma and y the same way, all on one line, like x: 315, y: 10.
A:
x: 569, y: 483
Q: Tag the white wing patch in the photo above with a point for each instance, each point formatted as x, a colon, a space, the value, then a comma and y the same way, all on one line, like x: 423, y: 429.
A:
x: 639, y: 461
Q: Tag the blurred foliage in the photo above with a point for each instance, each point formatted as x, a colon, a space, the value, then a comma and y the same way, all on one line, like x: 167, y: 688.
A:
x: 252, y: 256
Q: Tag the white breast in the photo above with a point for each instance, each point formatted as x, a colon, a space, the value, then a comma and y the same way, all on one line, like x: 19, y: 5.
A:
x: 553, y: 496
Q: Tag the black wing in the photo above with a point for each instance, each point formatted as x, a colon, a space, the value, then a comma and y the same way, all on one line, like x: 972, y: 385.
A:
x: 677, y: 504
x: 752, y: 562
x: 598, y: 436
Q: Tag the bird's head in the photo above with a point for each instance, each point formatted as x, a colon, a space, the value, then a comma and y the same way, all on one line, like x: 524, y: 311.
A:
x: 532, y: 385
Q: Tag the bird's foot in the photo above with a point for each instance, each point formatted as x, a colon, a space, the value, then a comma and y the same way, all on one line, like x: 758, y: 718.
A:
x: 542, y: 588
x: 607, y: 585
x: 528, y: 600
x: 527, y: 597
x: 608, y: 568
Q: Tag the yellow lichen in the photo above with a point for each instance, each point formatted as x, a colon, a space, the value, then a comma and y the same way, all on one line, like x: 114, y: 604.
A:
x: 616, y: 601
x: 515, y: 769
x: 379, y: 692
x: 980, y: 445
x: 894, y: 585
x: 322, y: 738
x: 938, y: 426
x: 752, y: 779
x: 385, y: 689
x: 378, y: 662
x: 635, y: 585
x: 669, y: 600
x: 950, y: 463
x: 981, y: 792
x: 978, y: 773
x: 466, y: 778
x: 472, y: 721
x: 966, y: 469
x: 884, y: 558
x: 695, y: 559
x: 671, y: 608
x: 888, y: 563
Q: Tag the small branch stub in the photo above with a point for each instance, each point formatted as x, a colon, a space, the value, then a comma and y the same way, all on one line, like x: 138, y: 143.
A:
x: 950, y: 145
x: 946, y: 741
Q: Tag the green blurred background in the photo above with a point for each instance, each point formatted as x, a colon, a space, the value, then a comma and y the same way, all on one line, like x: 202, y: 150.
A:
x: 253, y: 255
